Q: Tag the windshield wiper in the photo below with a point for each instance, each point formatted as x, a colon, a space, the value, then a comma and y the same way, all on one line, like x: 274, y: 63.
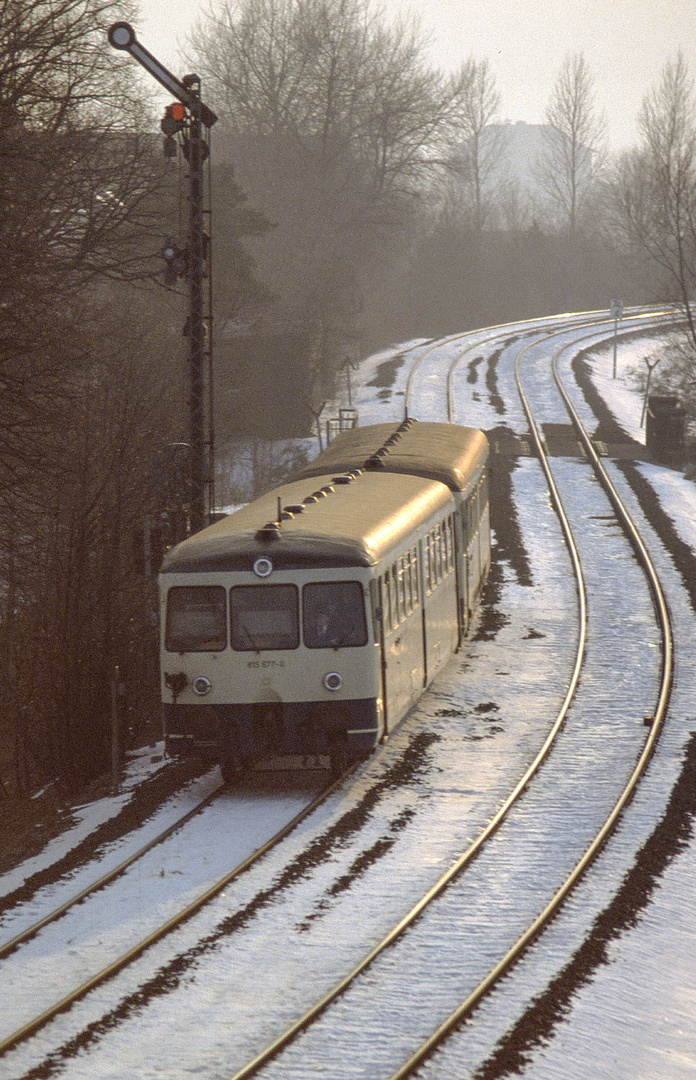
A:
x: 247, y: 631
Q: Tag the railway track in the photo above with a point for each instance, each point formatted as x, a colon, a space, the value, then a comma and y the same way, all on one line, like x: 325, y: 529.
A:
x: 340, y: 1016
x: 655, y: 717
x: 658, y: 708
x: 8, y: 946
x: 183, y: 913
x: 497, y: 336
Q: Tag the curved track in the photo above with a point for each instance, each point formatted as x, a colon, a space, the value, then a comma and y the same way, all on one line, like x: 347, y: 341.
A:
x: 467, y: 1006
x: 658, y: 709
x: 12, y: 943
x: 341, y: 1025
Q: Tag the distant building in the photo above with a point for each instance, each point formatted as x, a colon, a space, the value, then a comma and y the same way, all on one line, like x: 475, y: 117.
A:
x: 514, y: 192
x: 519, y: 150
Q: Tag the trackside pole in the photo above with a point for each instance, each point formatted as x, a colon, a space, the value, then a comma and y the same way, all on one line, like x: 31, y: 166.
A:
x: 122, y: 36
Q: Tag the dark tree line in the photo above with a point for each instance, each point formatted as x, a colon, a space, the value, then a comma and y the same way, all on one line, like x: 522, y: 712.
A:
x: 88, y: 388
x: 333, y: 121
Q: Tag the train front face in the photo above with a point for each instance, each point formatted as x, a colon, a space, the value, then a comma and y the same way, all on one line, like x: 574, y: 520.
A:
x: 270, y: 662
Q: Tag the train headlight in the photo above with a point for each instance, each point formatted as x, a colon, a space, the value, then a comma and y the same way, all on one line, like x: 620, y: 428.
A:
x: 201, y: 685
x: 333, y: 681
x: 263, y: 567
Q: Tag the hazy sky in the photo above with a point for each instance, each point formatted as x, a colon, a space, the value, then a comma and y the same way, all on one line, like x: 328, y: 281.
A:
x: 624, y: 41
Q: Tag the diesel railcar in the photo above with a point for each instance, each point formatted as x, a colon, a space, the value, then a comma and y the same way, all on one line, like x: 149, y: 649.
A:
x: 309, y: 621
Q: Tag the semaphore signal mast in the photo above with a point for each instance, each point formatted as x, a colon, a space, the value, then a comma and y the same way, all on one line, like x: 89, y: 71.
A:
x: 190, y: 115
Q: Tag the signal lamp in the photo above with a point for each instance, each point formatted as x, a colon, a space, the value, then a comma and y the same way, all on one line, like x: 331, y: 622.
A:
x: 173, y: 260
x: 173, y: 119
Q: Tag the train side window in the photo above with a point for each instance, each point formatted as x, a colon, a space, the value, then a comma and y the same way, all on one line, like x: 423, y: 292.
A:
x: 433, y: 558
x: 196, y: 619
x: 404, y: 585
x: 264, y: 617
x: 426, y: 565
x: 392, y: 600
x: 386, y: 599
x: 415, y: 585
x: 431, y: 563
x: 470, y: 516
x: 438, y: 554
x: 396, y: 609
x: 333, y: 615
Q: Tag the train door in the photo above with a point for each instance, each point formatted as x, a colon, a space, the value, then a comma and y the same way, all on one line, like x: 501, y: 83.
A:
x: 461, y: 572
x: 396, y: 645
x: 484, y: 525
x: 473, y: 549
x: 422, y: 592
x: 380, y: 619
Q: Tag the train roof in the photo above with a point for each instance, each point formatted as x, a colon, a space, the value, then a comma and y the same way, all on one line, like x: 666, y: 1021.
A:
x: 450, y: 453
x: 351, y: 521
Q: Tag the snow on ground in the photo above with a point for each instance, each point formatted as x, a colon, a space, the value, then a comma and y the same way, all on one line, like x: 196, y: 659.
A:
x: 635, y: 1017
x: 421, y: 824
x: 140, y: 764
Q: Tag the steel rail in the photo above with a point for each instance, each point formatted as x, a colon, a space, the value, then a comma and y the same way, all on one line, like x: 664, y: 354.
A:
x: 31, y: 1027
x: 456, y: 1018
x: 543, y: 321
x: 34, y: 1025
x: 291, y: 1033
x: 9, y: 946
x: 602, y: 318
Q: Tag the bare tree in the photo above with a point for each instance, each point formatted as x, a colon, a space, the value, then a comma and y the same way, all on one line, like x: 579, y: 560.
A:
x: 654, y: 185
x: 80, y: 206
x: 573, y: 155
x: 332, y: 119
x: 331, y: 76
x: 476, y: 161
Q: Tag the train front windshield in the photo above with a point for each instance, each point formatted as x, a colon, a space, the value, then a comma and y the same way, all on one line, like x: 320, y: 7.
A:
x: 266, y: 617
x: 196, y: 619
x: 333, y: 615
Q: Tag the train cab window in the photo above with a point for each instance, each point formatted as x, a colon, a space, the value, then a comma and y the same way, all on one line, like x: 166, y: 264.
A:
x: 264, y: 617
x: 333, y: 615
x: 196, y: 619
